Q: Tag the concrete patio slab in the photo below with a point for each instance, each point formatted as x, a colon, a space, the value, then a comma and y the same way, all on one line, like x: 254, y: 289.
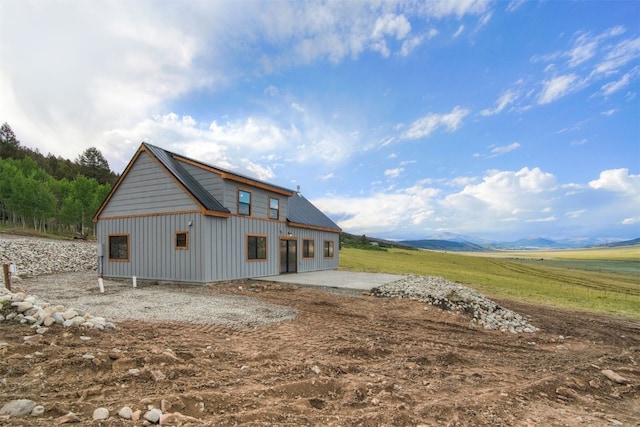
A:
x: 335, y: 279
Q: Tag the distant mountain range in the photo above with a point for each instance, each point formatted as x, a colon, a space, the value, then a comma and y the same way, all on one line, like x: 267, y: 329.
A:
x: 453, y: 242
x: 462, y: 243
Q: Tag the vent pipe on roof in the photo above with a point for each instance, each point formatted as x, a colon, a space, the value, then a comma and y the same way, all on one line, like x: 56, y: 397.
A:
x: 298, y: 189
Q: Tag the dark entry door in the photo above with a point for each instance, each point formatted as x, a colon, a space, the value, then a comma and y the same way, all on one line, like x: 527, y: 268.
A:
x: 288, y: 256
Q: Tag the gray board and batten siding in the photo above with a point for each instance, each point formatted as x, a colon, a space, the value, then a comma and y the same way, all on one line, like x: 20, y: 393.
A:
x: 161, y: 194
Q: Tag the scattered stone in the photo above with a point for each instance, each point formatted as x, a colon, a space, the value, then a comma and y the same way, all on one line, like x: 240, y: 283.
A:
x: 88, y: 356
x: 616, y: 378
x: 66, y: 419
x: 101, y: 414
x: 123, y: 364
x: 125, y: 412
x: 153, y: 416
x: 315, y: 369
x: 18, y: 408
x: 455, y: 297
x: 136, y: 415
x: 165, y: 405
x: 28, y: 309
x: 37, y: 410
x: 176, y: 418
x: 84, y: 338
x: 158, y: 375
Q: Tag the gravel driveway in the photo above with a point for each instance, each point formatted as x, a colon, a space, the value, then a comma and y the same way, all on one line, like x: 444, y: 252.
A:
x: 171, y: 302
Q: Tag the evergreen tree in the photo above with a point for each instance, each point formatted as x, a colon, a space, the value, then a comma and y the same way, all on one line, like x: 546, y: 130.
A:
x: 93, y: 165
x: 9, y: 144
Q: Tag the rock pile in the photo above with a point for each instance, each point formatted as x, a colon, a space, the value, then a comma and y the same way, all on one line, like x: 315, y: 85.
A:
x: 34, y: 257
x: 28, y: 309
x: 23, y: 407
x: 453, y: 296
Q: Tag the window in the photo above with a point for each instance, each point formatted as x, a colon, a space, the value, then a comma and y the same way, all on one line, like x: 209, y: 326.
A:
x: 274, y: 208
x: 244, y: 202
x: 256, y: 247
x: 182, y: 240
x: 119, y: 247
x: 307, y: 249
x: 328, y: 248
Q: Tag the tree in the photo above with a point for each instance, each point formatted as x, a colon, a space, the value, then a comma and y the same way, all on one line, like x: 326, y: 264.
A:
x: 93, y: 165
x: 9, y: 144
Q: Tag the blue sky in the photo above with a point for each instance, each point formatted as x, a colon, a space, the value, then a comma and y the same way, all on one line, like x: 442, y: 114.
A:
x: 494, y: 119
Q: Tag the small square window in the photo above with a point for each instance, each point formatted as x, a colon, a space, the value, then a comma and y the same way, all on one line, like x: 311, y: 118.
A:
x: 308, y: 250
x: 256, y: 247
x: 244, y: 202
x: 119, y: 247
x: 182, y: 240
x: 328, y: 248
x: 274, y: 208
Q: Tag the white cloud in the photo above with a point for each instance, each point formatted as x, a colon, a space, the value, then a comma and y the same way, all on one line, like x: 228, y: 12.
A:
x: 264, y: 173
x: 557, y: 87
x: 576, y: 214
x: 619, y: 181
x: 504, y: 100
x: 506, y: 191
x: 440, y: 8
x: 426, y: 125
x: 393, y: 173
x: 619, y: 55
x: 500, y: 203
x: 624, y: 81
x: 498, y: 151
x: 584, y: 49
x: 392, y: 25
x: 514, y: 5
x: 410, y: 44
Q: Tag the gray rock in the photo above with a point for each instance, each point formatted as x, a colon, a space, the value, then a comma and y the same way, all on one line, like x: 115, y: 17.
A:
x: 58, y: 317
x: 153, y: 416
x: 125, y: 412
x: 101, y: 414
x: 37, y: 411
x: 18, y: 408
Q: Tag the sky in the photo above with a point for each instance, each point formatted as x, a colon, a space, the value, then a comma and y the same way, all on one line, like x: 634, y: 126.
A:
x: 400, y: 119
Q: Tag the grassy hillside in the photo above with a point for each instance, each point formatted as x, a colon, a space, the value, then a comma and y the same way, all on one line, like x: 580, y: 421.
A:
x: 530, y: 279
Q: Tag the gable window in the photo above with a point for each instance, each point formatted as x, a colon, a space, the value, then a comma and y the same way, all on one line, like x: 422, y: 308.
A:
x: 244, y: 202
x: 182, y: 240
x: 119, y: 247
x: 274, y: 208
x: 256, y: 247
x: 328, y: 248
x: 308, y: 248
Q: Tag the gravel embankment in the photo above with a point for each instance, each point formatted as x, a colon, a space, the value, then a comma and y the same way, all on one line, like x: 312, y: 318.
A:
x: 35, y: 257
x: 453, y: 296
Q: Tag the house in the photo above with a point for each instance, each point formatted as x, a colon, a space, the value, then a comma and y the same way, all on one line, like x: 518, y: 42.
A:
x: 172, y: 218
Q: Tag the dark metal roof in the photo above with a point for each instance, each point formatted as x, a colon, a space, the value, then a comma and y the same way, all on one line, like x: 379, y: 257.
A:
x: 196, y: 189
x: 302, y: 211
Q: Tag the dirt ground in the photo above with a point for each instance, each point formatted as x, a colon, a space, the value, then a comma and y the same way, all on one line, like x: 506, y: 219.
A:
x: 346, y: 360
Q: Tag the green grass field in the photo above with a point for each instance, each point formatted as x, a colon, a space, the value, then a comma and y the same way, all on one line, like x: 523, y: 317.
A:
x: 602, y: 280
